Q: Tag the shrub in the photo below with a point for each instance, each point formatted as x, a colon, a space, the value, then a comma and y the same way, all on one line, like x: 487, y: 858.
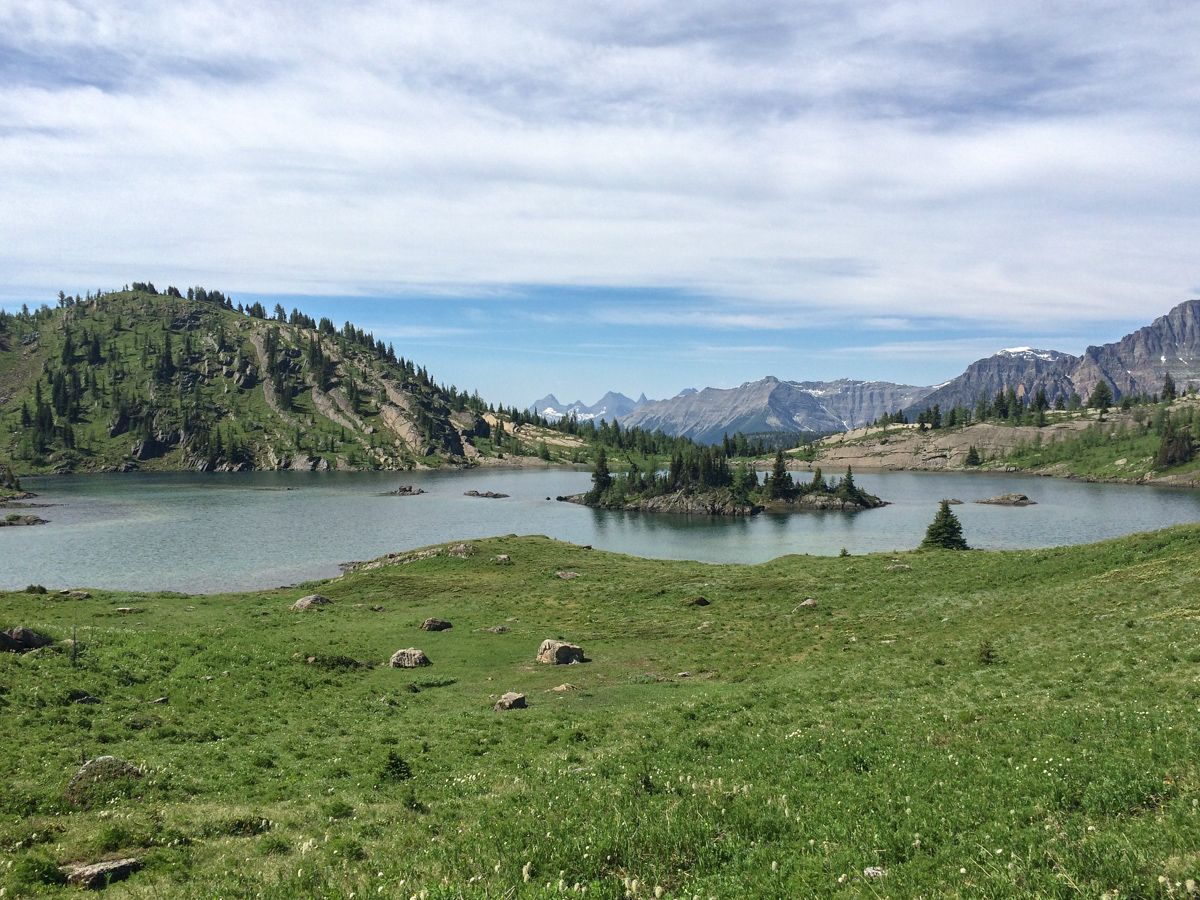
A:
x: 396, y: 768
x: 987, y: 654
x: 30, y: 872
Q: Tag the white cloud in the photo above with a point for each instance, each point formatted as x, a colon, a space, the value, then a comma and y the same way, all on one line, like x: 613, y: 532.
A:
x: 1013, y: 163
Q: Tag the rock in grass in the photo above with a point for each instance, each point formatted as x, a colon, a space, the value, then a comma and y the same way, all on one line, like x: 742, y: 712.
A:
x: 433, y: 624
x: 874, y: 872
x: 560, y: 653
x: 461, y: 551
x: 97, y: 875
x: 498, y: 629
x: 96, y: 776
x: 565, y: 575
x: 312, y: 601
x: 24, y: 639
x: 897, y: 567
x: 503, y: 560
x: 409, y: 658
x: 807, y: 603
x: 511, y: 700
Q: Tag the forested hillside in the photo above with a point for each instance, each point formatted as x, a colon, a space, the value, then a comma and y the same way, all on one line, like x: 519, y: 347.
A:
x: 138, y: 378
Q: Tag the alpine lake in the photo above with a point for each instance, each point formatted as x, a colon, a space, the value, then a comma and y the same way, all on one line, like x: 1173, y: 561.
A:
x: 194, y: 533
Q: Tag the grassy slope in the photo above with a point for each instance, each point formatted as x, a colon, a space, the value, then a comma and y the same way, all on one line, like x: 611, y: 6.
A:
x: 807, y: 744
x: 129, y: 321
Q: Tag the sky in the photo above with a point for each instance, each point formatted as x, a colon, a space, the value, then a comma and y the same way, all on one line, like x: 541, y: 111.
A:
x: 571, y: 197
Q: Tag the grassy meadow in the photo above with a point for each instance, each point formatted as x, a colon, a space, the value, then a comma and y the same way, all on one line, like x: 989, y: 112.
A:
x: 939, y: 725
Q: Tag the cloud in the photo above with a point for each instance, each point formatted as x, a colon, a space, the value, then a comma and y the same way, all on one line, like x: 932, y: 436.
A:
x: 1006, y: 163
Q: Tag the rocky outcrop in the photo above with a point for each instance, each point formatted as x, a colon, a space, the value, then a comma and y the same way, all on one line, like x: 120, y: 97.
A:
x: 489, y: 495
x: 1008, y: 500
x: 95, y: 776
x: 685, y: 502
x: 312, y: 601
x: 409, y: 658
x: 510, y: 700
x: 13, y: 520
x: 559, y: 653
x: 21, y: 640
x: 93, y: 876
x: 406, y: 490
x: 434, y: 624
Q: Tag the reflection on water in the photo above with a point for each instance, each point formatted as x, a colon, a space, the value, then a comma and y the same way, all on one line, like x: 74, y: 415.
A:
x: 194, y: 532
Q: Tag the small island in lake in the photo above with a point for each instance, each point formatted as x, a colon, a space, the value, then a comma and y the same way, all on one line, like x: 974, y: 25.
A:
x: 700, y: 482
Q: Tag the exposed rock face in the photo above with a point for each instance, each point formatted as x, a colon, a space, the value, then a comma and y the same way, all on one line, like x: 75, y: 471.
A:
x: 1008, y: 500
x: 559, y: 653
x: 312, y: 601
x: 96, y: 773
x: 774, y: 405
x: 23, y: 639
x: 511, y: 700
x: 409, y: 658
x: 97, y: 875
x: 1136, y: 364
x: 432, y: 624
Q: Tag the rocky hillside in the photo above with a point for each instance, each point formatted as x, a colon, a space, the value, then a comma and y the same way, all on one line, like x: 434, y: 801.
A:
x: 774, y: 405
x: 1136, y: 364
x: 141, y: 379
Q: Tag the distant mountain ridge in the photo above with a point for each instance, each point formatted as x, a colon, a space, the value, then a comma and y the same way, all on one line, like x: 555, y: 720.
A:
x: 611, y: 407
x: 774, y: 405
x: 1135, y: 364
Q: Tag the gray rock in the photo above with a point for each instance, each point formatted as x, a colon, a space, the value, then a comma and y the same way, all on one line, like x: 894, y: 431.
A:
x: 95, y: 773
x: 503, y: 560
x: 27, y: 638
x: 432, y: 624
x: 511, y: 700
x: 97, y: 875
x: 461, y: 551
x: 807, y: 603
x: 312, y: 601
x: 559, y: 653
x: 498, y: 629
x: 566, y: 576
x: 1008, y: 500
x: 409, y: 658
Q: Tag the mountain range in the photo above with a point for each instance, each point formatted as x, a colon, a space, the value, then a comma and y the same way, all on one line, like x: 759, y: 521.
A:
x: 611, y: 406
x: 1135, y: 364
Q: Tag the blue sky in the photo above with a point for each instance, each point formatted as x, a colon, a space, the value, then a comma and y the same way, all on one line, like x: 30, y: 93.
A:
x: 537, y: 196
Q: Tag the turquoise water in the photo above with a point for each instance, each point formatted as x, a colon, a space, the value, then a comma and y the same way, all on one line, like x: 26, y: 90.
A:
x: 206, y: 532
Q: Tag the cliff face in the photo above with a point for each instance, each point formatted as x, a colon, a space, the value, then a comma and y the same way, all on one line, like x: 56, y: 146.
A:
x: 1136, y: 364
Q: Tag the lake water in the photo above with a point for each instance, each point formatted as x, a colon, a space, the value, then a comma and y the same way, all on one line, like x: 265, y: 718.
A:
x: 208, y: 532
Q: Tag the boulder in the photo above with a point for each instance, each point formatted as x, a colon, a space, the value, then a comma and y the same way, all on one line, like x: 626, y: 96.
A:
x: 511, y: 700
x: 312, y: 601
x: 503, y: 560
x: 433, y: 624
x: 25, y: 639
x: 1008, y: 500
x: 559, y: 653
x: 696, y: 601
x: 406, y: 490
x: 409, y: 658
x: 566, y: 576
x: 94, y: 774
x: 807, y: 603
x: 97, y: 875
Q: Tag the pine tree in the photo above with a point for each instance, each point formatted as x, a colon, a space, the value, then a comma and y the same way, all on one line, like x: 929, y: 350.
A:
x: 945, y: 531
x: 972, y: 457
x: 1101, y: 397
x: 780, y: 486
x: 1168, y: 388
x: 601, y: 477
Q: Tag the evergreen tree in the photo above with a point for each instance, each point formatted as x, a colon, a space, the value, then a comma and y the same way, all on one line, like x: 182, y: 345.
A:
x: 780, y: 486
x: 601, y: 477
x: 945, y: 531
x: 972, y: 457
x: 1101, y: 397
x: 1168, y: 388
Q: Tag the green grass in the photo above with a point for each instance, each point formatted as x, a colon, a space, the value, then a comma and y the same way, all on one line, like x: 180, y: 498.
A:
x: 979, y: 725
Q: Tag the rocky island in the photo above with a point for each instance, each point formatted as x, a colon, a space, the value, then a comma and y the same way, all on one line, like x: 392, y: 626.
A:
x: 701, y: 482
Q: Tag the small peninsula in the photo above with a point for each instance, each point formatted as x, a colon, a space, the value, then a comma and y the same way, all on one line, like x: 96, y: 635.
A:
x: 700, y: 481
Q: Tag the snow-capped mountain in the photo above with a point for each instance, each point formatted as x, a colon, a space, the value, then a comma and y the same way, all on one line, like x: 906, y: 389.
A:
x: 611, y: 407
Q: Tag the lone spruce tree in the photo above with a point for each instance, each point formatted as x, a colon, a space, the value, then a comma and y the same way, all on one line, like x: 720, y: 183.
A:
x: 945, y: 531
x: 601, y: 478
x: 781, y: 485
